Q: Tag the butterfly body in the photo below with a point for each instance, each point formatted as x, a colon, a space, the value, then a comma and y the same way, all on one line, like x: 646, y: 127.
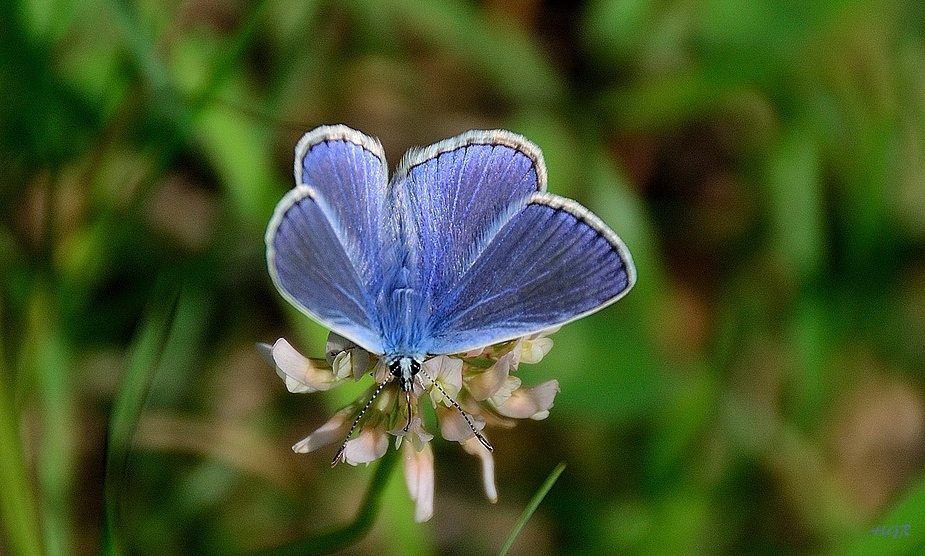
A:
x: 461, y: 249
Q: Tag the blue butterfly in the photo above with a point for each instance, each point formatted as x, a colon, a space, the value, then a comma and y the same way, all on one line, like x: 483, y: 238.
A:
x: 461, y: 249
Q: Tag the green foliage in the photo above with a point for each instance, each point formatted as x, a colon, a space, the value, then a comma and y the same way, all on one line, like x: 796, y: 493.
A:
x: 760, y: 391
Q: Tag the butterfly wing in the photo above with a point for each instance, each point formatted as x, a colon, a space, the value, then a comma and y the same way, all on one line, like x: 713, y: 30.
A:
x: 447, y: 201
x: 493, y: 255
x: 454, y: 195
x: 551, y: 263
x: 323, y: 243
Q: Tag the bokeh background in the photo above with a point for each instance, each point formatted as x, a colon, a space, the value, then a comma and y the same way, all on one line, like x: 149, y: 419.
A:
x: 760, y: 391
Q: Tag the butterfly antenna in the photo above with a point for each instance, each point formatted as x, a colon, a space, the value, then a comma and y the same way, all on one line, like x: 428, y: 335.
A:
x: 357, y: 421
x: 461, y: 412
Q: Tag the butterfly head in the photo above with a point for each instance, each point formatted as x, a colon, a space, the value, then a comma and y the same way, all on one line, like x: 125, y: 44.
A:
x: 404, y: 369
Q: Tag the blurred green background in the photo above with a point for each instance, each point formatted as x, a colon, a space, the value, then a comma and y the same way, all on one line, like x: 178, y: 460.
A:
x: 759, y: 392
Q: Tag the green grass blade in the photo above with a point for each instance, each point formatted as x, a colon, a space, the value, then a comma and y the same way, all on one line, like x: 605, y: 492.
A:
x: 21, y: 529
x: 350, y: 534
x: 47, y: 355
x: 531, y: 508
x: 147, y: 349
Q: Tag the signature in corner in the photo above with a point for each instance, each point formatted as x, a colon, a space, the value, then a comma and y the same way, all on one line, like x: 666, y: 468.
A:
x: 894, y: 531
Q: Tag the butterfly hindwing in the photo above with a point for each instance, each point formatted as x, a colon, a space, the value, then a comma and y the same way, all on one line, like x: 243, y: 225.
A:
x: 551, y: 263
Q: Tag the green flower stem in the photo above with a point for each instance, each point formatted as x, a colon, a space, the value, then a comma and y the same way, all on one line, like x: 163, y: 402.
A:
x: 352, y: 533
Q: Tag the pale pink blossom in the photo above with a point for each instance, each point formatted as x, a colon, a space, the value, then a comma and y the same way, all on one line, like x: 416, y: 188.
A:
x: 484, y: 383
x: 419, y: 476
x: 532, y: 350
x: 454, y: 427
x: 345, y: 357
x: 343, y: 365
x: 415, y: 434
x: 447, y: 373
x: 503, y: 393
x: 333, y: 431
x: 474, y: 447
x: 530, y: 403
x: 466, y: 391
x: 301, y: 374
x: 368, y: 446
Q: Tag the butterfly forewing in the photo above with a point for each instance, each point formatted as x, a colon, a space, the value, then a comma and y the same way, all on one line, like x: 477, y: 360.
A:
x: 323, y: 244
x: 348, y: 173
x: 455, y: 195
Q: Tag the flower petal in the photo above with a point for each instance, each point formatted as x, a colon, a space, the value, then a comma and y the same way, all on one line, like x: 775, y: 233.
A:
x: 485, y: 384
x: 533, y: 403
x: 300, y: 373
x: 346, y: 357
x: 416, y: 434
x: 454, y: 427
x: 474, y: 447
x: 510, y: 386
x: 368, y: 446
x: 334, y: 430
x: 343, y: 365
x: 533, y: 350
x: 381, y: 372
x: 446, y: 372
x: 419, y: 476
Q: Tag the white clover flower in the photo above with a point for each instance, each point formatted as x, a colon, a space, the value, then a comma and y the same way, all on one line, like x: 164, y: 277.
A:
x: 466, y: 391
